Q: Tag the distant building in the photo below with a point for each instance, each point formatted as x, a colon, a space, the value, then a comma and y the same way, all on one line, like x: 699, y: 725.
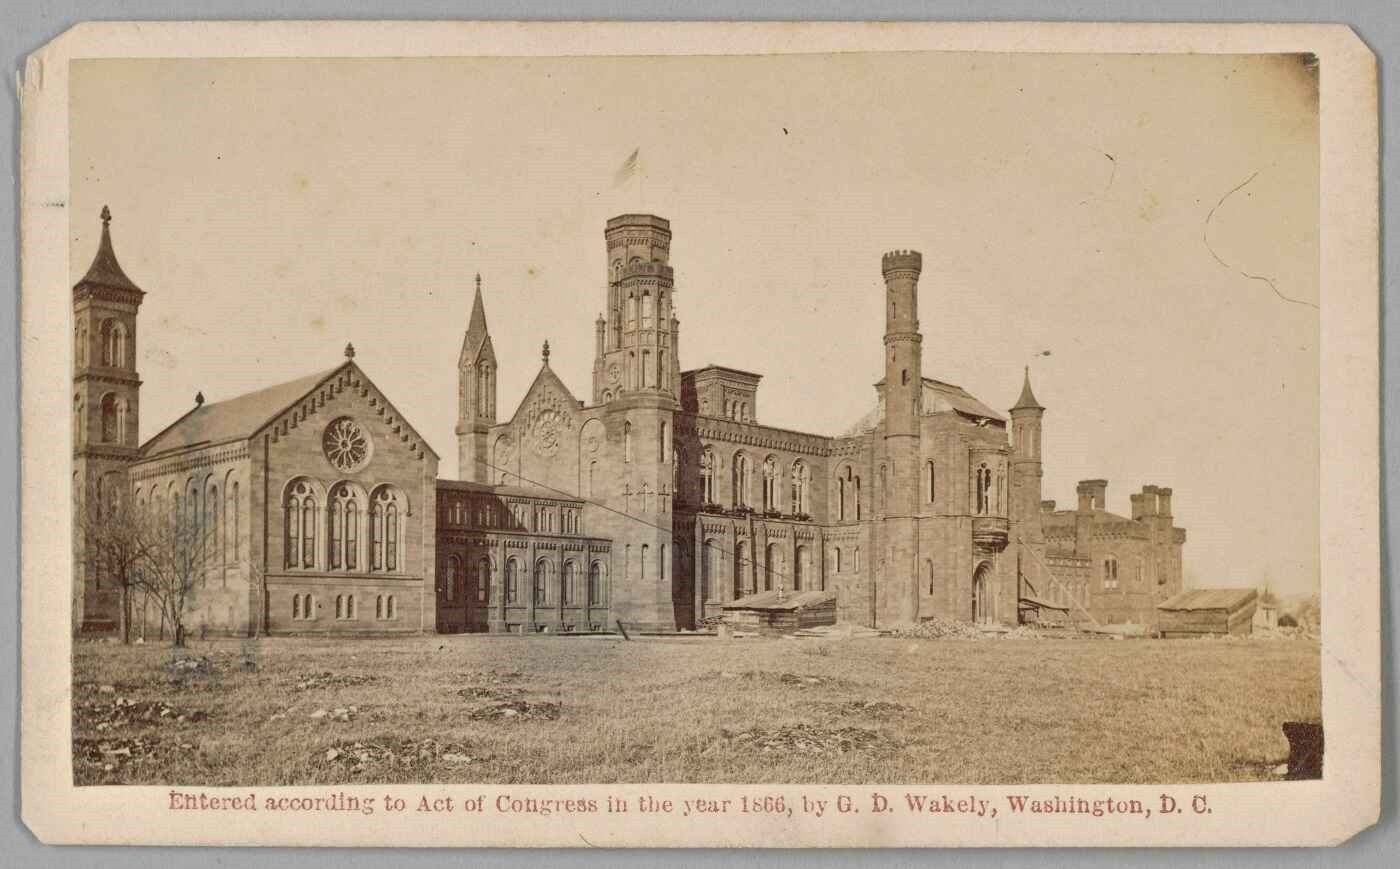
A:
x: 656, y: 501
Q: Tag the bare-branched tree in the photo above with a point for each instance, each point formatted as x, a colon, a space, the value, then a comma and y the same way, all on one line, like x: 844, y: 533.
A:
x: 159, y: 550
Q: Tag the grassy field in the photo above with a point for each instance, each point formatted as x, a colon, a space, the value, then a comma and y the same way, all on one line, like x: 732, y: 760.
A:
x: 575, y: 710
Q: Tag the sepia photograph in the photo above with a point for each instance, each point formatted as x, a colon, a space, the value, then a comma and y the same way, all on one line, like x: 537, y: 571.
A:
x: 416, y: 434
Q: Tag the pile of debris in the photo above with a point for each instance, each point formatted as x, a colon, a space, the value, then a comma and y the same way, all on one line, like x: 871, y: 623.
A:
x: 340, y: 713
x: 111, y: 753
x: 125, y: 712
x: 806, y: 739
x: 877, y: 709
x: 359, y: 755
x: 515, y: 710
x: 791, y: 680
x: 941, y: 629
x: 950, y: 629
x: 327, y: 679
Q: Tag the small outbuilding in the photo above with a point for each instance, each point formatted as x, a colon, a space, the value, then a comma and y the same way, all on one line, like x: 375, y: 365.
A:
x: 774, y: 613
x: 1202, y: 612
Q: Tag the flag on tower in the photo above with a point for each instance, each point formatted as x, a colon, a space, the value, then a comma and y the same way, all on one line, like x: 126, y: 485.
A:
x: 630, y: 167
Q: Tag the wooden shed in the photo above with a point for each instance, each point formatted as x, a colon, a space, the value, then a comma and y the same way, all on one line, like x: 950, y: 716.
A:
x: 1202, y: 612
x: 773, y: 613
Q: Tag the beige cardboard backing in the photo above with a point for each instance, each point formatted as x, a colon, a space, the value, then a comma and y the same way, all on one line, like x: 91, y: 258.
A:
x: 1326, y: 811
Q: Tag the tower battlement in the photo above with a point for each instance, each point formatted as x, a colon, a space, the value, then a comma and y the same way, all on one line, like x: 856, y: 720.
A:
x: 902, y: 261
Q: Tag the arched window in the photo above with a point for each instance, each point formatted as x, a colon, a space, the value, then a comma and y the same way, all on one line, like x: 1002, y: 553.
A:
x: 856, y: 481
x: 646, y: 553
x: 1110, y: 572
x: 855, y: 560
x: 512, y: 581
x: 983, y: 485
x: 109, y: 418
x: 393, y: 606
x: 592, y: 478
x: 770, y: 484
x: 595, y: 584
x: 661, y: 563
x: 454, y: 577
x: 707, y: 475
x: 483, y: 580
x: 801, y: 568
x: 648, y: 375
x: 648, y: 310
x: 384, y: 529
x: 709, y: 570
x: 661, y: 443
x: 299, y: 511
x: 344, y: 536
x: 772, y: 567
x: 741, y: 568
x: 541, y: 591
x: 631, y: 311
x: 883, y: 497
x: 742, y: 478
x: 930, y: 480
x: 801, y: 482
x: 627, y: 441
x: 567, y: 579
x: 296, y: 606
x: 79, y: 421
x: 105, y: 334
x: 836, y: 559
x: 379, y: 607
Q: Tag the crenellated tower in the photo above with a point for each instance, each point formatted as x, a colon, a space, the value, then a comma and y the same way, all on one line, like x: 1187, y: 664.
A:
x: 106, y: 403
x: 476, y: 395
x: 903, y: 392
x: 636, y: 336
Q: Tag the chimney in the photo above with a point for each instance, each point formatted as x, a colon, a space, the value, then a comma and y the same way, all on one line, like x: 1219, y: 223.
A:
x: 1092, y: 494
x: 1047, y: 506
x: 1164, y: 501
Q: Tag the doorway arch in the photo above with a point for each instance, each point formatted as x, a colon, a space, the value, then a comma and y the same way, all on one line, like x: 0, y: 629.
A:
x: 982, y: 594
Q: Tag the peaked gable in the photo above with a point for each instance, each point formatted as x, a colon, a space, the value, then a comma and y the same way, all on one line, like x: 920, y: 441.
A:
x: 349, y: 377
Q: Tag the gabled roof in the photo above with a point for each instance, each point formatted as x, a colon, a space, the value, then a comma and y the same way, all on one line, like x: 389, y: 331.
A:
x: 543, y: 380
x: 105, y: 271
x: 537, y: 493
x: 244, y: 416
x: 1229, y: 599
x: 939, y: 397
x: 235, y: 418
x: 790, y: 600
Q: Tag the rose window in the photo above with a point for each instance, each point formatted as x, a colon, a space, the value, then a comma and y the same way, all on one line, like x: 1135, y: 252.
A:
x: 346, y: 445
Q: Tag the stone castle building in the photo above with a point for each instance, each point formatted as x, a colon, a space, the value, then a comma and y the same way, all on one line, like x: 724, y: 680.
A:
x: 654, y: 501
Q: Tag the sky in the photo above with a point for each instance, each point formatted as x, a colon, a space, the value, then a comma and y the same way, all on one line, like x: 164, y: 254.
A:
x: 1141, y: 230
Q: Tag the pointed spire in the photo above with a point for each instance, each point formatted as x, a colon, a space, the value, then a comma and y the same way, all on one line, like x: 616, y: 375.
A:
x: 476, y: 326
x: 349, y: 350
x: 105, y: 271
x: 1027, y: 400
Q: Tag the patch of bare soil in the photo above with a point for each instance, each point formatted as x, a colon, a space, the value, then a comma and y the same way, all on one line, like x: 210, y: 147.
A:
x: 357, y: 756
x: 807, y: 739
x: 326, y: 679
x: 515, y: 710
